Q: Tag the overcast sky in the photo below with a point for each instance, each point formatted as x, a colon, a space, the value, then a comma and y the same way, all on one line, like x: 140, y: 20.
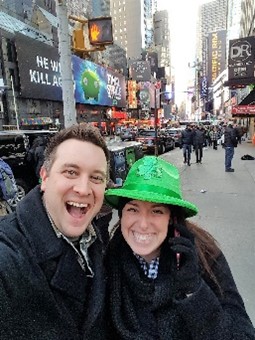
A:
x: 183, y: 18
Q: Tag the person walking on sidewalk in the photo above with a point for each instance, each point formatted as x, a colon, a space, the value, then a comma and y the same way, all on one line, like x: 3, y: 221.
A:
x: 186, y: 142
x: 167, y: 277
x: 198, y: 142
x: 214, y: 135
x: 230, y: 143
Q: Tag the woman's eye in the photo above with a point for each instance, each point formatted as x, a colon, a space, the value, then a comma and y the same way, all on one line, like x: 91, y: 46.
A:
x: 158, y: 211
x: 131, y: 209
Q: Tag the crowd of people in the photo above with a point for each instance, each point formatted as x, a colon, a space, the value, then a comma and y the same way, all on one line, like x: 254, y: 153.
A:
x: 156, y: 276
x: 198, y: 136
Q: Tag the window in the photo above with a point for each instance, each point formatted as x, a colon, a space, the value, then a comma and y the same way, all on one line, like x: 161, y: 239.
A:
x: 10, y: 51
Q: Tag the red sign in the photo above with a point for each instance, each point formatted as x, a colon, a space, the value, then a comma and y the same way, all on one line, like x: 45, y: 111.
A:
x: 243, y: 109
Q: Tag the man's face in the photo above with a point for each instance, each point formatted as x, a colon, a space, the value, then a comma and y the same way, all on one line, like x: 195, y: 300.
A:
x: 74, y: 187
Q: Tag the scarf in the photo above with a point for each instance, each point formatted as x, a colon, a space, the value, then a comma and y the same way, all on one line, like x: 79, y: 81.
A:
x: 140, y: 307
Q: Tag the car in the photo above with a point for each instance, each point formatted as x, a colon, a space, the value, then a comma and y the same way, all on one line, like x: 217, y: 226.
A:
x: 148, y: 139
x: 14, y: 145
x: 127, y: 135
x: 175, y: 133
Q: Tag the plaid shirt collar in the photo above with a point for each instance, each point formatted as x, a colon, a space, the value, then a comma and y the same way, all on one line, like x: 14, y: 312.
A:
x: 85, y: 241
x: 149, y: 269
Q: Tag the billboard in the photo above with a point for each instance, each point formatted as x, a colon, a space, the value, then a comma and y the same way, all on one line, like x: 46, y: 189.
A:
x: 152, y: 58
x: 216, y: 54
x: 241, y: 59
x: 97, y: 85
x: 132, y: 97
x: 39, y: 69
x: 40, y: 76
x: 140, y: 70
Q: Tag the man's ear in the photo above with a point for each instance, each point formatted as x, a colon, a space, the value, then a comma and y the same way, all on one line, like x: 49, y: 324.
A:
x: 43, y: 176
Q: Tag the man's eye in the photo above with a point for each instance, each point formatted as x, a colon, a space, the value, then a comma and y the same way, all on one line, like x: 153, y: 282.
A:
x: 97, y: 179
x: 70, y: 172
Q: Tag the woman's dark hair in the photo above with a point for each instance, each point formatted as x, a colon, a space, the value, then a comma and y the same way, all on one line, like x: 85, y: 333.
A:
x: 206, y: 245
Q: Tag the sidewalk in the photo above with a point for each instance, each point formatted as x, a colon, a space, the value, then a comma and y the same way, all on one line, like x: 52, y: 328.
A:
x: 226, y: 208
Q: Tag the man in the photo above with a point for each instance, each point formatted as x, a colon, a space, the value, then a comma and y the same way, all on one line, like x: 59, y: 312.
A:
x: 51, y: 276
x: 239, y: 131
x: 230, y: 142
x: 186, y: 142
x: 199, y: 141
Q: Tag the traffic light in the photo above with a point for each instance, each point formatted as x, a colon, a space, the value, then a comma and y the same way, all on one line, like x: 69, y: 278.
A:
x: 78, y: 39
x: 100, y: 31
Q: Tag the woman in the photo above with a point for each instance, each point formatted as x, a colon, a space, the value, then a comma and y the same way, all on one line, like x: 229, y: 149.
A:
x: 167, y: 278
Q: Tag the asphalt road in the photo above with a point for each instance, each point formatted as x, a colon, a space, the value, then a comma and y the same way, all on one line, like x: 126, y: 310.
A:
x: 226, y: 208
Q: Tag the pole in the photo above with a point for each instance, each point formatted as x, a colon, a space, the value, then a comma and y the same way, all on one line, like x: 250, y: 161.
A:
x: 156, y: 123
x: 64, y: 48
x: 15, y: 104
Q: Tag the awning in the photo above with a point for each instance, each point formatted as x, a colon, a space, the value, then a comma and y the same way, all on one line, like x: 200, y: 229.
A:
x: 246, y: 107
x: 243, y: 110
x: 240, y: 82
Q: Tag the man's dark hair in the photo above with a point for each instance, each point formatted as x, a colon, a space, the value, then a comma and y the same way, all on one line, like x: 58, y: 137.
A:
x: 83, y: 132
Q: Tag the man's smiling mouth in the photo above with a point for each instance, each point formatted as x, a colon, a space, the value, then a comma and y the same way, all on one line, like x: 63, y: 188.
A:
x: 76, y: 209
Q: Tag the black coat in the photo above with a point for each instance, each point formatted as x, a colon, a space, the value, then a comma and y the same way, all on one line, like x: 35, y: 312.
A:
x: 198, y: 137
x: 145, y: 309
x: 230, y: 137
x: 44, y: 293
x: 187, y: 136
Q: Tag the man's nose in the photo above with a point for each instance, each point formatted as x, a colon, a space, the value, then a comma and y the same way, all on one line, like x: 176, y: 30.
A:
x: 83, y: 185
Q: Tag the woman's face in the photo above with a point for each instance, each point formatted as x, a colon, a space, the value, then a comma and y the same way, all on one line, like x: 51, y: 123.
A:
x: 144, y: 226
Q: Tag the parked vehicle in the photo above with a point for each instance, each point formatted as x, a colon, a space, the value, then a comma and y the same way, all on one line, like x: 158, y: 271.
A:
x: 14, y: 146
x: 127, y: 135
x: 148, y: 140
x: 175, y: 133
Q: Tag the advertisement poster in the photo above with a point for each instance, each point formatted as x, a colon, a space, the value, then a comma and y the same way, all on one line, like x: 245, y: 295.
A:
x: 97, y: 85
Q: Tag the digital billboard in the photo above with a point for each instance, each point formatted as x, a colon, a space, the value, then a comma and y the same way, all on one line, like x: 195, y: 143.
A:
x: 97, y: 85
x: 40, y: 76
x: 39, y: 69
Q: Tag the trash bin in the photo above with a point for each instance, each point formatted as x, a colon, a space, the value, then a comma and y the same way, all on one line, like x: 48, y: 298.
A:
x: 118, y: 169
x: 138, y: 148
x: 130, y: 156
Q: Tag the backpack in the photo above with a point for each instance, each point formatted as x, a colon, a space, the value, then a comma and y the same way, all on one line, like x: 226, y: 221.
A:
x: 8, y: 187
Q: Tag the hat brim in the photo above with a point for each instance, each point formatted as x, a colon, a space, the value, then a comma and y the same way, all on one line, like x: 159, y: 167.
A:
x: 112, y: 197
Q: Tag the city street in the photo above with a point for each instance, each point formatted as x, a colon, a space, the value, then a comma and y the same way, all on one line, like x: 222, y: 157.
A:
x: 226, y: 208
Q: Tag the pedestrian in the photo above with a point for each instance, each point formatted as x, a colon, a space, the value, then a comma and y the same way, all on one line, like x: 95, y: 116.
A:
x: 199, y: 141
x: 186, y: 142
x: 230, y: 143
x: 51, y: 273
x: 214, y: 135
x: 167, y: 277
x: 35, y: 155
x: 240, y: 132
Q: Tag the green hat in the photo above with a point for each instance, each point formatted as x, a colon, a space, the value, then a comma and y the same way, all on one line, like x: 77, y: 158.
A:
x: 155, y: 180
